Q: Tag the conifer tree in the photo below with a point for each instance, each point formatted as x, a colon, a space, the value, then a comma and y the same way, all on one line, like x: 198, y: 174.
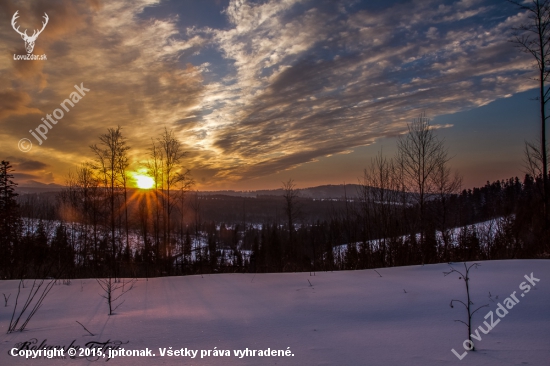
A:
x: 10, y: 219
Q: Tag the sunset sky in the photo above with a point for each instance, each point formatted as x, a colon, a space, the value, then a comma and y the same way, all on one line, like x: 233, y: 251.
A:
x: 263, y: 91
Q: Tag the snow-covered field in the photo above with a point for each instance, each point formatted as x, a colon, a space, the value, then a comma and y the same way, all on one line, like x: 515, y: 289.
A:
x: 344, y: 318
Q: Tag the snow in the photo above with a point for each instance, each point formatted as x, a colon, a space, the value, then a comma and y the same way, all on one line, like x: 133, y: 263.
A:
x: 485, y: 230
x: 345, y: 318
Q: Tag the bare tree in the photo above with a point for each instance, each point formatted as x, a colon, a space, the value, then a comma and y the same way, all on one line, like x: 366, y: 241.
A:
x: 122, y: 164
x: 197, y: 245
x: 292, y: 211
x: 380, y: 200
x: 113, y: 291
x: 533, y: 160
x: 91, y: 195
x: 173, y: 174
x: 421, y: 155
x: 109, y: 154
x: 445, y: 184
x: 465, y: 276
x: 533, y: 38
x: 290, y: 194
x: 184, y: 188
x: 154, y: 167
x: 172, y: 182
x: 143, y: 218
x: 79, y: 206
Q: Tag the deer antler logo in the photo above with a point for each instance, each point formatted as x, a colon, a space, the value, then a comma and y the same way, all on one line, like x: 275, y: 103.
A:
x: 29, y: 41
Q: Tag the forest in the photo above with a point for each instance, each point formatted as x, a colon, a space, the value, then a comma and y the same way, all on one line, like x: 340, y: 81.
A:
x: 405, y: 210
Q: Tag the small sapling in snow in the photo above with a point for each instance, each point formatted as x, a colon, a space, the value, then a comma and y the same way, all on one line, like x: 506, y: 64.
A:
x: 6, y: 300
x: 113, y: 291
x: 465, y: 276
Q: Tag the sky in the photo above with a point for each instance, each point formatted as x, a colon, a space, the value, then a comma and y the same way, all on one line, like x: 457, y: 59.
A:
x: 262, y: 91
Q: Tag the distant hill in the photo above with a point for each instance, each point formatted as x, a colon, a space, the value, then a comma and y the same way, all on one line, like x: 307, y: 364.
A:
x: 328, y: 191
x: 32, y: 186
x: 320, y: 192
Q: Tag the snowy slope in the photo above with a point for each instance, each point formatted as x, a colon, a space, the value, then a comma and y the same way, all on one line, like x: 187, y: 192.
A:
x: 345, y: 318
x: 486, y: 231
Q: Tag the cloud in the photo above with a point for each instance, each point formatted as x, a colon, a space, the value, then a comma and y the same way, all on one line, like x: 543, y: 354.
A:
x: 289, y: 80
x: 27, y: 171
x: 14, y: 102
x: 28, y: 165
x: 135, y: 69
x: 310, y: 79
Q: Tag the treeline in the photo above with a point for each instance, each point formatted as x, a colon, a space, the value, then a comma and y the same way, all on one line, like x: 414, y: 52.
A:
x: 348, y: 240
x: 409, y: 209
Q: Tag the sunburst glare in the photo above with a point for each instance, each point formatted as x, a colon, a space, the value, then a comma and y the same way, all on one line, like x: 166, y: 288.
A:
x: 143, y: 180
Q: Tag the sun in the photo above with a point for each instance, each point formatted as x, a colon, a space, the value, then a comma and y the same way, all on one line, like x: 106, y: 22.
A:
x: 143, y: 181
